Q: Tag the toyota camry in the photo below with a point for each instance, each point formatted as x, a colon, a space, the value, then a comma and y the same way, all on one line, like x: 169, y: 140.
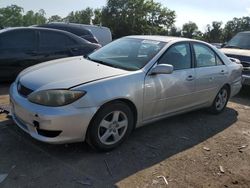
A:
x: 128, y: 83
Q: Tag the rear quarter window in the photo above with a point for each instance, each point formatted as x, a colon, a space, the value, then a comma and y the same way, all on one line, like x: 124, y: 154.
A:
x: 55, y: 40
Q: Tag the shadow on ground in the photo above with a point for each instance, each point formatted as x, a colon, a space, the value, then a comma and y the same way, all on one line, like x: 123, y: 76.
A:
x: 243, y: 97
x: 74, y: 164
x: 4, y: 88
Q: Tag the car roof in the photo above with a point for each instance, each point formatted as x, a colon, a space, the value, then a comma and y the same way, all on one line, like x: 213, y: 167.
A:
x: 36, y: 28
x: 247, y: 32
x: 160, y: 38
x: 33, y: 28
x: 45, y: 29
x: 78, y: 25
x: 79, y: 31
x: 63, y: 24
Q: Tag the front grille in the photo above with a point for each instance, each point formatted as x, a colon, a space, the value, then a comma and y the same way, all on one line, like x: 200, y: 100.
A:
x: 47, y: 133
x: 22, y: 90
x: 241, y: 58
x: 246, y: 71
x: 245, y: 61
x: 245, y: 64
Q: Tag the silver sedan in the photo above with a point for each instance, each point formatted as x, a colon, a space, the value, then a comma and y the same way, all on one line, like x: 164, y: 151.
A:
x: 128, y: 83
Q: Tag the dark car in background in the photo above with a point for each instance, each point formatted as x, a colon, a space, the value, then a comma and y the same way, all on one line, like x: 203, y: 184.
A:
x: 81, y: 32
x: 239, y: 47
x: 24, y: 47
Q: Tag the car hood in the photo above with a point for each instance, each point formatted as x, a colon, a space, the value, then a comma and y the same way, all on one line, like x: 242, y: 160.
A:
x: 238, y: 52
x: 65, y: 73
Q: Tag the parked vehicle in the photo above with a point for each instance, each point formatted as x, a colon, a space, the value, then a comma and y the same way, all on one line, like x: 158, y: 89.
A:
x: 126, y: 84
x: 79, y: 31
x: 239, y: 47
x: 103, y: 34
x: 23, y: 47
x: 217, y: 45
x: 92, y: 33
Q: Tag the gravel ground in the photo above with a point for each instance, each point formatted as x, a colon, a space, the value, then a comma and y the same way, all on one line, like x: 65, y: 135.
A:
x: 191, y: 150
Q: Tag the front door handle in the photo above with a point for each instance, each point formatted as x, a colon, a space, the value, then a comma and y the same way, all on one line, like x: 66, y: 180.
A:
x: 190, y: 78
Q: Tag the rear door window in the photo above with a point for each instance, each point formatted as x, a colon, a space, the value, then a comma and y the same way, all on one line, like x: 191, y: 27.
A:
x: 205, y: 57
x: 50, y: 40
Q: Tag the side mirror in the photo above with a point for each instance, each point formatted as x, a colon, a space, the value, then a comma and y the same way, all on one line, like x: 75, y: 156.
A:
x: 162, y: 69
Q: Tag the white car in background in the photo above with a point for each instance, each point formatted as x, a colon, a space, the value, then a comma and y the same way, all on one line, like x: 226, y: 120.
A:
x: 239, y: 47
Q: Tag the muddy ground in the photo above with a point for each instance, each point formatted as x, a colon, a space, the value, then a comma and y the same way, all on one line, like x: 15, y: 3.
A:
x: 191, y: 150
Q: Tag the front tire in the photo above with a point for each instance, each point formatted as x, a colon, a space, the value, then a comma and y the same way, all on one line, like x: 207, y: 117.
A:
x: 111, y: 126
x: 220, y: 101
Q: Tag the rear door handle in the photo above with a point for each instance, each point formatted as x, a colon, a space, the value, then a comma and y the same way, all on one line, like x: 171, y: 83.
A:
x: 222, y: 72
x: 32, y: 53
x: 74, y: 49
x: 190, y: 78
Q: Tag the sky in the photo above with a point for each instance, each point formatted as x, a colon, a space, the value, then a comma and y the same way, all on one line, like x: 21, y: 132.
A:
x: 202, y: 12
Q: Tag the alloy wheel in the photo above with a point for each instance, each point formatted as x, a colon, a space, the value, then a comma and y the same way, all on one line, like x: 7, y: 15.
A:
x: 221, y: 99
x: 112, y: 127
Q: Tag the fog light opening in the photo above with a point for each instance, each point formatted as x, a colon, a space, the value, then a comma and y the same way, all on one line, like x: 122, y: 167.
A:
x: 36, y: 124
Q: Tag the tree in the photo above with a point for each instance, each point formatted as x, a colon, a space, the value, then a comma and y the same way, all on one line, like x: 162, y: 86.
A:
x: 234, y: 26
x: 55, y: 18
x: 174, y: 31
x: 81, y: 17
x: 34, y: 18
x: 189, y: 30
x: 11, y: 16
x: 97, y: 17
x: 28, y: 18
x: 198, y: 35
x: 213, y: 33
x: 127, y: 17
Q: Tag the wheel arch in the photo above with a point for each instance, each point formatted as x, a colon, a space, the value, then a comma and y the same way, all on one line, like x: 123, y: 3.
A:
x: 123, y: 100
x: 127, y: 102
x: 228, y: 87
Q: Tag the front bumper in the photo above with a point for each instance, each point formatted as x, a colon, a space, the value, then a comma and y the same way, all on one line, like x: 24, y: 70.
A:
x: 55, y: 125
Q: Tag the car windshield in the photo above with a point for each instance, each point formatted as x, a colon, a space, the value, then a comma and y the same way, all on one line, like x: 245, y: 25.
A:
x: 127, y: 53
x: 240, y: 41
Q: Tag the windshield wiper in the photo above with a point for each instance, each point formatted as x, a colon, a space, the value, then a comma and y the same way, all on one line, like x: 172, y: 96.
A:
x: 103, y: 62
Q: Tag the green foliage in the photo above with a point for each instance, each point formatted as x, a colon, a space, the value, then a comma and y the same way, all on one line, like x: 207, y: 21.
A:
x: 34, y: 18
x: 213, y: 33
x: 174, y: 32
x: 97, y: 20
x: 234, y: 26
x: 11, y: 16
x: 55, y: 18
x: 81, y: 17
x: 129, y: 17
x: 189, y: 30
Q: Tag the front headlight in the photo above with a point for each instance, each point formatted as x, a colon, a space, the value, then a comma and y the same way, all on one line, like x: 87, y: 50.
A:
x: 55, y: 97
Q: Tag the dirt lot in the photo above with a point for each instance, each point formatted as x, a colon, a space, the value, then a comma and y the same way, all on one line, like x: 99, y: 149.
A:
x: 191, y: 150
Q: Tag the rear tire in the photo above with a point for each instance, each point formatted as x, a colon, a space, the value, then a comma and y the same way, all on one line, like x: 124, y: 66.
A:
x: 112, y: 124
x: 220, y: 101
